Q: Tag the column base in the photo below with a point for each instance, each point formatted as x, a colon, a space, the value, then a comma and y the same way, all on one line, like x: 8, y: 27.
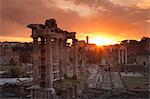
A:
x: 43, y: 93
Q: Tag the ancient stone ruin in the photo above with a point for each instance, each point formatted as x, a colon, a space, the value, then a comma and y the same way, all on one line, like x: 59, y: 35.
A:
x: 50, y: 58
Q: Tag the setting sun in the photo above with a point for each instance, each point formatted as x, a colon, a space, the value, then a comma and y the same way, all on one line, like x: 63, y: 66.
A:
x: 102, y: 41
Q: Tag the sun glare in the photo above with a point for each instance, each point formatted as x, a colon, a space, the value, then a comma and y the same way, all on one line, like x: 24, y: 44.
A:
x: 102, y: 41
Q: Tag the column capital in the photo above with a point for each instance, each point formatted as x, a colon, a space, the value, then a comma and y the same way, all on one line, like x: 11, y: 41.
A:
x: 34, y: 37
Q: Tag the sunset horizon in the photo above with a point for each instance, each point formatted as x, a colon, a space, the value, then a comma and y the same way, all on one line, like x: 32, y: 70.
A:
x: 98, y: 40
x: 104, y: 21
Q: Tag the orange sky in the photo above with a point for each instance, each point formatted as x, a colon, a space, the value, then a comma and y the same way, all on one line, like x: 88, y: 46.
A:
x: 105, y: 21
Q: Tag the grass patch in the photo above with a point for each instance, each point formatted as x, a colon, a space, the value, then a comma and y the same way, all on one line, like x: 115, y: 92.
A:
x: 136, y: 81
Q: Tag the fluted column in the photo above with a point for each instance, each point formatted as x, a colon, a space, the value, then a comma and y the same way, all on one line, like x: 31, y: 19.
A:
x: 57, y: 51
x: 42, y: 63
x: 62, y: 54
x: 122, y: 56
x: 64, y: 57
x: 118, y: 56
x: 56, y: 56
x: 49, y: 61
x: 35, y: 62
x: 61, y: 57
x: 125, y: 56
x: 75, y: 58
x: 67, y: 52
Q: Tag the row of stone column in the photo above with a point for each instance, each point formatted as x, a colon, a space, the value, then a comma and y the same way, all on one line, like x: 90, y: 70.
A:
x: 122, y: 56
x: 60, y: 56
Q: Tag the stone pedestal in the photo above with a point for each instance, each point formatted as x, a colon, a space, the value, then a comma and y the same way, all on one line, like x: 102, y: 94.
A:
x: 42, y: 93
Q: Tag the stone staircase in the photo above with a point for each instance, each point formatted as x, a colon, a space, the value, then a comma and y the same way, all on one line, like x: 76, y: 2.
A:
x: 116, y: 80
x: 106, y: 81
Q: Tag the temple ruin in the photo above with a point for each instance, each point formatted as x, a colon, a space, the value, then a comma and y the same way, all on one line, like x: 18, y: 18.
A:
x: 50, y: 57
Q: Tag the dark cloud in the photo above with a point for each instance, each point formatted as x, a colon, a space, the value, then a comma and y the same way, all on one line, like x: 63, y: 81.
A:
x: 110, y: 18
x: 24, y: 12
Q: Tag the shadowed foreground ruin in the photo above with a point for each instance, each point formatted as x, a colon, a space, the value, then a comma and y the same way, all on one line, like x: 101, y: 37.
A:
x: 50, y: 58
